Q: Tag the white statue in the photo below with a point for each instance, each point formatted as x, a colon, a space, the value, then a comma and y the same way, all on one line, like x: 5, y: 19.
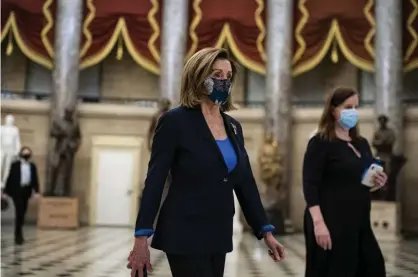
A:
x: 10, y: 146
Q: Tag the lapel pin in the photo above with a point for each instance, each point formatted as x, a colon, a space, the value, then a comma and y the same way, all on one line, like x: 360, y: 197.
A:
x: 235, y: 128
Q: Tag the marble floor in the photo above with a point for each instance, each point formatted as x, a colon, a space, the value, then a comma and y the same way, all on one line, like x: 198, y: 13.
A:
x: 102, y: 252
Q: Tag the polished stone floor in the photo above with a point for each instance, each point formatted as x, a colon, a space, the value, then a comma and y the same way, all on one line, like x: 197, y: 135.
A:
x: 102, y: 252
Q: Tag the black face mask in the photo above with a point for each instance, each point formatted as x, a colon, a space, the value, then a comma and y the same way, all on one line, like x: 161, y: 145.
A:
x: 218, y: 90
x: 26, y: 156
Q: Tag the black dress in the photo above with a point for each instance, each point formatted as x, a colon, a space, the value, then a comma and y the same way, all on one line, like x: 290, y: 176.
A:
x: 332, y: 179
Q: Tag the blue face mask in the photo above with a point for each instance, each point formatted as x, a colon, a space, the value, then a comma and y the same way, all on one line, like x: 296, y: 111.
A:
x: 218, y: 90
x: 348, y: 118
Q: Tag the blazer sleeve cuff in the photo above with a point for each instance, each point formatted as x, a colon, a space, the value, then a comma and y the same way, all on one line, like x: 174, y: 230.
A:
x: 144, y: 233
x: 265, y: 229
x: 312, y: 203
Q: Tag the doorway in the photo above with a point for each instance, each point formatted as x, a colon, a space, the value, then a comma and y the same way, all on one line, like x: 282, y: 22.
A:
x: 115, y: 178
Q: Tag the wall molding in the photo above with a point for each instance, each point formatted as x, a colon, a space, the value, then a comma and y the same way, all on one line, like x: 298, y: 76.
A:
x: 105, y: 110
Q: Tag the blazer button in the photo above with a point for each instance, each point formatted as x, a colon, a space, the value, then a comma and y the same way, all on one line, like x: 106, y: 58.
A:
x: 225, y: 180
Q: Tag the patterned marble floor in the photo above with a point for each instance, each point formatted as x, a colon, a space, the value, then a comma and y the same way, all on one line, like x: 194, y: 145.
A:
x: 102, y: 252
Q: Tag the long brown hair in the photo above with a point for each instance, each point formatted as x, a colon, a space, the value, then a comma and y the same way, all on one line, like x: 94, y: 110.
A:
x: 326, y: 127
x: 195, y: 72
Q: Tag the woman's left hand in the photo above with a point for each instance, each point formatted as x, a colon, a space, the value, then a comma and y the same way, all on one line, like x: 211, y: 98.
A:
x: 379, y: 180
x: 276, y: 250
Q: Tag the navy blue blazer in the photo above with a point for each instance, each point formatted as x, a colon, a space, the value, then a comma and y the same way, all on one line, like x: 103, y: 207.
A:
x: 197, y: 214
x: 13, y: 187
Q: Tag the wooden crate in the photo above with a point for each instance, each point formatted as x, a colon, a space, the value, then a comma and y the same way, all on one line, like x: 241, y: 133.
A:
x: 58, y: 212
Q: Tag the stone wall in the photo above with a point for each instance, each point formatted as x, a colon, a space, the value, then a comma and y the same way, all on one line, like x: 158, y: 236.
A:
x: 116, y: 78
x: 32, y: 118
x: 13, y: 70
x: 124, y: 78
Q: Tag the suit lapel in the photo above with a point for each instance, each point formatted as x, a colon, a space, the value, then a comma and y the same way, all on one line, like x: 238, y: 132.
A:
x: 232, y: 132
x: 203, y: 129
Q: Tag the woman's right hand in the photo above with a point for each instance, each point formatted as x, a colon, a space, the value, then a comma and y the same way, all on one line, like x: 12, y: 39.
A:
x: 139, y: 257
x: 322, y: 235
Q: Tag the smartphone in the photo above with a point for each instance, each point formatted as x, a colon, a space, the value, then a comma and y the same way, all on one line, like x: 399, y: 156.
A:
x: 144, y: 273
x: 367, y: 178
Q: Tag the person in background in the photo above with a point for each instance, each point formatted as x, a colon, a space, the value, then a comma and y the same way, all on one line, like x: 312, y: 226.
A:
x: 203, y: 148
x: 163, y: 106
x: 21, y: 184
x: 338, y: 234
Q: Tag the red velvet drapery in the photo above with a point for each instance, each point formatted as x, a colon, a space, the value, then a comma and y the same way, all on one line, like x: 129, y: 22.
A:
x: 319, y: 25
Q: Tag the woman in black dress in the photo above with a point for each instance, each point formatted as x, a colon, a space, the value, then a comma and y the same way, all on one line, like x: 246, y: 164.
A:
x: 338, y: 234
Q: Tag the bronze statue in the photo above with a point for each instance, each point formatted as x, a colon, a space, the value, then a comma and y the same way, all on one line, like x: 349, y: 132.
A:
x: 271, y: 173
x: 270, y: 164
x: 383, y: 141
x: 67, y: 135
x: 163, y: 106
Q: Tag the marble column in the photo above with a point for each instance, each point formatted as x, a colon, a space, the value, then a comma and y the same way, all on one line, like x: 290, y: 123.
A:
x: 388, y: 101
x: 368, y: 87
x: 278, y: 105
x: 67, y: 52
x: 65, y: 77
x: 388, y: 64
x: 173, y: 47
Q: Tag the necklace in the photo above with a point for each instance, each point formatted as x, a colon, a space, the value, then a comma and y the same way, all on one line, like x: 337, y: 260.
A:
x: 215, y: 127
x: 217, y: 131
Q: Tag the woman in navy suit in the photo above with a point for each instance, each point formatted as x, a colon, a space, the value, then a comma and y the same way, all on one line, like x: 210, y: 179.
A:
x: 203, y: 149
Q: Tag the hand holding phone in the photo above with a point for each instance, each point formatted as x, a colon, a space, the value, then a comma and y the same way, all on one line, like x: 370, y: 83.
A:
x: 369, y: 174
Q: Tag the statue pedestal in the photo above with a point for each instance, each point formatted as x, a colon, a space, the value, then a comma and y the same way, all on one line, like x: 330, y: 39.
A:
x: 384, y: 220
x: 58, y: 212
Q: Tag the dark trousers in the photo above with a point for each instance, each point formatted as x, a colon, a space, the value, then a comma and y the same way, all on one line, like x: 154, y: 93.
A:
x: 197, y: 265
x: 20, y: 201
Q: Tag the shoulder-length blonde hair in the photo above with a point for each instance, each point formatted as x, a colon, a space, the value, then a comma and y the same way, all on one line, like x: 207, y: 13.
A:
x: 326, y: 127
x: 195, y: 72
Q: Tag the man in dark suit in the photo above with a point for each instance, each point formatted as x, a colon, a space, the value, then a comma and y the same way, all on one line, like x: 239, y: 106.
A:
x: 22, y: 182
